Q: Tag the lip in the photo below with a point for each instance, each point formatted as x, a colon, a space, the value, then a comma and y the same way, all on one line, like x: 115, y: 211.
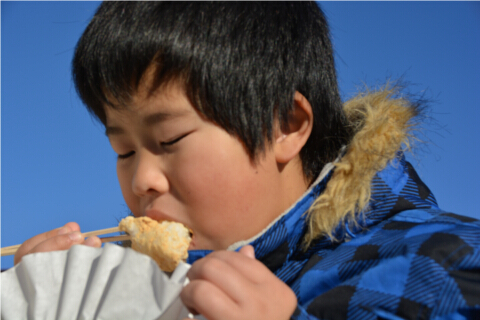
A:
x: 157, y: 215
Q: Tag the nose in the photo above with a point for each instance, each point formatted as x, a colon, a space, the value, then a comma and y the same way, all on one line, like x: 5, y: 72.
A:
x: 148, y: 177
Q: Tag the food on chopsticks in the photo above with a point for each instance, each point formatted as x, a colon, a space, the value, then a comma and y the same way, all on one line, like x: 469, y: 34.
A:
x: 165, y: 242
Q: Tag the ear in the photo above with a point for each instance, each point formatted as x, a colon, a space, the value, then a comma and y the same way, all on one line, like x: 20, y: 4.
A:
x: 291, y: 139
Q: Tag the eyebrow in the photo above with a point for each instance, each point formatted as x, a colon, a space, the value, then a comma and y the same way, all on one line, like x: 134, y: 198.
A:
x: 148, y: 121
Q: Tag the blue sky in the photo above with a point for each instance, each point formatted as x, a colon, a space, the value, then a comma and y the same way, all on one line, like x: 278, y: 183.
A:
x: 57, y: 165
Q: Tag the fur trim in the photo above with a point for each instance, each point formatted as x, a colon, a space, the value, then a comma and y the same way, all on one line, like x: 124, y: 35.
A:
x: 382, y: 123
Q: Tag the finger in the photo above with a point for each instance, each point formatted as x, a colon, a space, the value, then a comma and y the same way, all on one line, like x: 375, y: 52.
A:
x: 248, y: 251
x: 208, y: 300
x: 29, y: 244
x: 221, y: 272
x: 73, y: 226
x: 249, y: 268
x: 34, y: 241
x: 93, y: 241
x: 223, y: 275
x: 60, y: 242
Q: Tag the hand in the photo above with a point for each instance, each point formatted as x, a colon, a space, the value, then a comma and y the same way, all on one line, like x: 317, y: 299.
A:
x: 234, y: 285
x: 57, y: 239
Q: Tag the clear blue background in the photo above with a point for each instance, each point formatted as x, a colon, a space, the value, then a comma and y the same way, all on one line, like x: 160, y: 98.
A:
x: 57, y: 165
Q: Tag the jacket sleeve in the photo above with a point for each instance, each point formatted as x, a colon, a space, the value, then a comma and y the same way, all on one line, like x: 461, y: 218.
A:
x: 437, y: 276
x: 301, y: 314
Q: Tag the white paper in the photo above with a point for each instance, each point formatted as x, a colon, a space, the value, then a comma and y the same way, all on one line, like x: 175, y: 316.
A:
x: 92, y: 283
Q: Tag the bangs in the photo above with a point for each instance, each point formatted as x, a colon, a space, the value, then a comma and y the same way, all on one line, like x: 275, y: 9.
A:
x: 115, y: 52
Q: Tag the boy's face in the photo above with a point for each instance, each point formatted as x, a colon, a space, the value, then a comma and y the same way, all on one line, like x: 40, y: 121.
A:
x: 175, y: 165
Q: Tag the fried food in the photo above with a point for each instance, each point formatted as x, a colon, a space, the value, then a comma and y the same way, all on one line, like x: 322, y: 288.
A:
x: 165, y: 242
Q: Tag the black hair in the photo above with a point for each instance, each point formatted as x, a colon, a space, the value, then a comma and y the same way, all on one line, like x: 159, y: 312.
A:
x: 240, y: 64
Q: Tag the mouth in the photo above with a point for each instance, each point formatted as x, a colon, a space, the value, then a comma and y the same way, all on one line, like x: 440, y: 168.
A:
x: 192, y: 242
x: 157, y: 215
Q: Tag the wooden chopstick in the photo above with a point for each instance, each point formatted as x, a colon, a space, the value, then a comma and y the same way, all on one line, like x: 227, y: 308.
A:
x: 122, y: 237
x: 99, y: 232
x: 7, y: 251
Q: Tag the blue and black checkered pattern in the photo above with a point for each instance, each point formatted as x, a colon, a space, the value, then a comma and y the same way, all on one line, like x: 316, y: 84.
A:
x: 407, y: 260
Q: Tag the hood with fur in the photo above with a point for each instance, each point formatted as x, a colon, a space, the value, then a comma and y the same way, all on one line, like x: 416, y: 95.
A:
x: 382, y: 123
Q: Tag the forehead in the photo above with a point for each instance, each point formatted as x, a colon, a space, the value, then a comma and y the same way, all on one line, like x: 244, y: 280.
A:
x: 148, y: 108
x: 148, y: 91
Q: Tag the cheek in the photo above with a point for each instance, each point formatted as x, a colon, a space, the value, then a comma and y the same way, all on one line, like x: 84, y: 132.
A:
x: 217, y: 176
x: 224, y: 193
x: 125, y: 181
x: 207, y: 170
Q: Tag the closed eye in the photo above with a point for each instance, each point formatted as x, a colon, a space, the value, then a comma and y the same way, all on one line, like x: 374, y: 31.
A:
x: 172, y: 142
x: 126, y: 155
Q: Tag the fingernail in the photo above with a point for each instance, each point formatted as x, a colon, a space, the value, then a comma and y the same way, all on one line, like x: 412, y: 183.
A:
x: 75, y: 236
x: 64, y: 230
x: 92, y: 242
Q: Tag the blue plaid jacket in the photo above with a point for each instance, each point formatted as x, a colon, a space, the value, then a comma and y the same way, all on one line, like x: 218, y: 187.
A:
x: 407, y: 260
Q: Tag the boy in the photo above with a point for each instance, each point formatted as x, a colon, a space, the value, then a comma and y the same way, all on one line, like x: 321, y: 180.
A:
x: 227, y: 118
